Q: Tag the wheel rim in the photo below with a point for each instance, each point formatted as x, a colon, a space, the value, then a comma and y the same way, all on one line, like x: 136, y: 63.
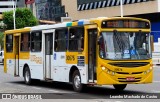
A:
x: 77, y: 81
x: 27, y: 76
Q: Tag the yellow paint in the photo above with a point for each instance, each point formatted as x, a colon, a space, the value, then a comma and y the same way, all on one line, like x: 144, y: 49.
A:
x: 74, y: 23
x: 24, y: 55
x: 17, y: 34
x: 71, y: 57
x: 105, y: 78
x: 91, y: 26
x: 12, y: 55
x: 5, y: 67
x: 17, y: 31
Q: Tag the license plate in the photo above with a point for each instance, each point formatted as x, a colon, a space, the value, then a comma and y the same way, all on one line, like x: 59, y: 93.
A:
x: 130, y: 78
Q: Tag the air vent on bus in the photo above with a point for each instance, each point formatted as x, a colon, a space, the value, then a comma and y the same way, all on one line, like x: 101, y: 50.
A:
x: 122, y: 72
x: 137, y: 72
x: 129, y: 64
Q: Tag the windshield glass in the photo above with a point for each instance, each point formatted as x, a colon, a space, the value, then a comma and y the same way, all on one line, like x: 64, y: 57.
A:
x: 125, y: 45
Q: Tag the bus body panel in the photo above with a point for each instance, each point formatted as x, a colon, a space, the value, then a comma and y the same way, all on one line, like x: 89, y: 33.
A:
x: 10, y: 65
x: 36, y: 65
x: 122, y: 73
x: 56, y: 65
x: 60, y: 67
x: 47, y: 50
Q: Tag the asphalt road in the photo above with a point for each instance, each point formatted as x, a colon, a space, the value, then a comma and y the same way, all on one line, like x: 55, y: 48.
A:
x: 63, y: 91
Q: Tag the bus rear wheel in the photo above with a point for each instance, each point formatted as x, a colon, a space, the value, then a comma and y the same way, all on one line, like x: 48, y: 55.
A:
x: 120, y: 87
x: 76, y: 81
x: 27, y: 76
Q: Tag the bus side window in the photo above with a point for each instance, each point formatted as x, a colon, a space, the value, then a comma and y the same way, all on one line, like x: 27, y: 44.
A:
x: 25, y: 41
x: 36, y: 41
x: 76, y: 39
x: 9, y: 43
x: 60, y: 42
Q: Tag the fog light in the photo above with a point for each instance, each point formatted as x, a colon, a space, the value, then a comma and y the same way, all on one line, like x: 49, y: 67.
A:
x: 113, y: 73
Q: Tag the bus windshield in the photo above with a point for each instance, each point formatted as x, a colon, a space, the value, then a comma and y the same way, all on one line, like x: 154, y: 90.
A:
x: 125, y: 45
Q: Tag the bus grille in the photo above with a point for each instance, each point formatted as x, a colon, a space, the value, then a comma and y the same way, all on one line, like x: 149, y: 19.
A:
x: 129, y: 73
x: 129, y: 64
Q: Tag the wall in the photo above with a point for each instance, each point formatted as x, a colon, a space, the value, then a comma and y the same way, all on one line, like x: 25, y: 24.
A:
x: 129, y: 9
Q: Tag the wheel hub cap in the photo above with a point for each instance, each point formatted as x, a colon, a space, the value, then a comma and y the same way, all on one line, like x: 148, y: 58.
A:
x: 77, y: 81
x: 27, y: 76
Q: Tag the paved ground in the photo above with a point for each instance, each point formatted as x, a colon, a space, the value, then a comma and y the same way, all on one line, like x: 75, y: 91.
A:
x: 63, y: 91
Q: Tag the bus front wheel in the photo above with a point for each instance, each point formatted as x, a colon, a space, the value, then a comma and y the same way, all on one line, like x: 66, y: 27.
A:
x: 76, y: 81
x: 120, y: 87
x: 27, y: 76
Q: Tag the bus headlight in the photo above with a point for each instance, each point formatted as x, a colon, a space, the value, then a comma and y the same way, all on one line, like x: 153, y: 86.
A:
x: 103, y: 68
x: 149, y: 70
x: 107, y: 70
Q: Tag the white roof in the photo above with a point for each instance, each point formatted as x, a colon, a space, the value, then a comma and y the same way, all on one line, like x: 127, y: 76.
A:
x: 43, y: 27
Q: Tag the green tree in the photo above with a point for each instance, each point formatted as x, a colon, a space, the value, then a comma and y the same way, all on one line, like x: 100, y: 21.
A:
x: 24, y: 18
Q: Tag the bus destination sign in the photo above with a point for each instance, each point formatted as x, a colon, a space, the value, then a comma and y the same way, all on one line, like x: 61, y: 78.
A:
x: 125, y: 24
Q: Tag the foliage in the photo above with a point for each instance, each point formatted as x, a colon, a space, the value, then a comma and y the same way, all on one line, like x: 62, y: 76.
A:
x: 1, y: 40
x: 24, y: 18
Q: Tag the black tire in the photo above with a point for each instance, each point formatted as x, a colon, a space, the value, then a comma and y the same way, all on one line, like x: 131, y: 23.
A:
x: 76, y: 81
x: 120, y: 87
x: 27, y: 76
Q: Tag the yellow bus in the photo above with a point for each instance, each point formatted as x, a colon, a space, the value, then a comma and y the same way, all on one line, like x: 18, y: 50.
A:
x: 99, y: 51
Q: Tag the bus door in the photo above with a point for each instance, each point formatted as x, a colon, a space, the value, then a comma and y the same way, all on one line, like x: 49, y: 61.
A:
x: 16, y: 53
x: 48, y: 43
x: 92, y: 38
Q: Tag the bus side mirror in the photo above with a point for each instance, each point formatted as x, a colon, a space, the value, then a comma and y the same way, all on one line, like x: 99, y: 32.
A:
x: 99, y: 40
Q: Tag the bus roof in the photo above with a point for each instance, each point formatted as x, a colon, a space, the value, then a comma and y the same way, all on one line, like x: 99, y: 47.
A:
x: 61, y: 25
x: 70, y: 24
x: 81, y: 22
x: 26, y: 29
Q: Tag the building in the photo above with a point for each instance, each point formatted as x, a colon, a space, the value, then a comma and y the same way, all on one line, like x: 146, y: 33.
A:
x: 7, y: 5
x: 82, y: 9
x: 31, y: 4
x: 51, y: 10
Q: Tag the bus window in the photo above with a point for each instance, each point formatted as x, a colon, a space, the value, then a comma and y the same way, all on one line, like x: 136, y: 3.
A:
x: 76, y: 39
x: 9, y: 43
x: 36, y: 41
x: 61, y: 39
x: 25, y: 42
